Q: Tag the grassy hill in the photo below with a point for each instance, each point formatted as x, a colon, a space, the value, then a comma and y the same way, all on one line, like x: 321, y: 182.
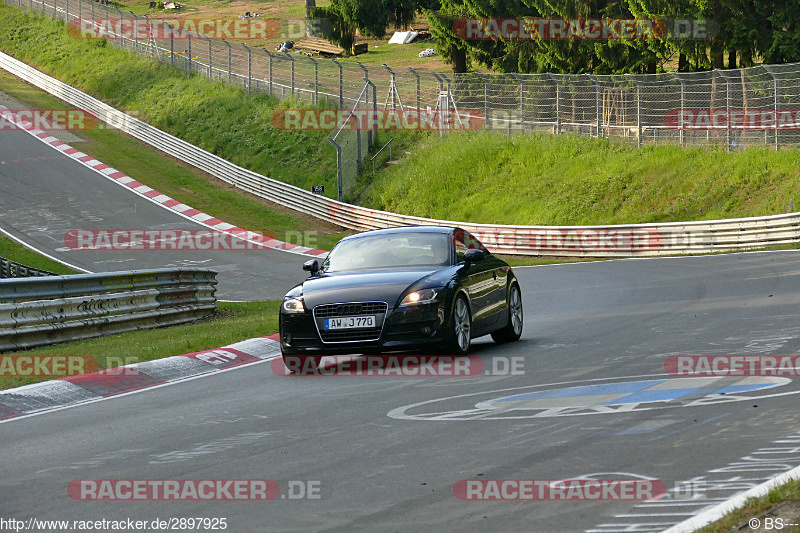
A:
x: 477, y: 177
x: 571, y: 180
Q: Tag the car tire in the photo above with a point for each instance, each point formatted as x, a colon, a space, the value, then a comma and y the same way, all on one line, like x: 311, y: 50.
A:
x: 302, y: 364
x: 460, y: 328
x: 513, y: 329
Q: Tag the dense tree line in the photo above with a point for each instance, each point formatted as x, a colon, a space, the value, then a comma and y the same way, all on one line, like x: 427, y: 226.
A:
x: 732, y: 33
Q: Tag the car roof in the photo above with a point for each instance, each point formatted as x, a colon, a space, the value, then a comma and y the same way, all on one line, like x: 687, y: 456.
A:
x: 444, y: 230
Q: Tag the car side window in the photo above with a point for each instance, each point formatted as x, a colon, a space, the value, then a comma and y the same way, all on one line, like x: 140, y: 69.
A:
x: 461, y: 248
x: 464, y: 241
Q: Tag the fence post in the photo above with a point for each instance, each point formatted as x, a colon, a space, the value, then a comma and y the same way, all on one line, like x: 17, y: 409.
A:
x: 416, y: 75
x: 210, y: 59
x: 249, y: 67
x: 486, y: 120
x: 229, y: 59
x: 638, y: 111
x: 171, y: 45
x: 315, y: 99
x: 135, y: 31
x: 150, y: 37
x: 777, y: 130
x: 638, y: 114
x: 370, y: 116
x: 597, y: 106
x: 775, y: 105
x: 392, y: 86
x: 521, y: 101
x: 122, y: 32
x: 189, y: 51
x: 341, y: 84
x: 558, y: 104
x: 728, y: 113
x: 440, y: 101
x: 270, y: 69
x: 338, y: 164
x: 292, y: 60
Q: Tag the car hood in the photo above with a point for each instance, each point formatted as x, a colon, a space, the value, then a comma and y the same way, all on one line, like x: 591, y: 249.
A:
x: 361, y: 286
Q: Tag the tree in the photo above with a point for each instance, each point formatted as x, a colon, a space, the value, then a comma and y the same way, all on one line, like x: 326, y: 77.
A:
x: 370, y: 17
x: 784, y: 22
x: 311, y: 5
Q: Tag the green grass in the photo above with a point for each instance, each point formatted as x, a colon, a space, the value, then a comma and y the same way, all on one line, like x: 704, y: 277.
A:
x: 572, y: 180
x: 755, y: 507
x: 233, y: 322
x: 14, y: 251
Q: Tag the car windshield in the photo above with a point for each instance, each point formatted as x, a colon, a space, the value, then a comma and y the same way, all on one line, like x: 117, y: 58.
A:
x: 389, y: 250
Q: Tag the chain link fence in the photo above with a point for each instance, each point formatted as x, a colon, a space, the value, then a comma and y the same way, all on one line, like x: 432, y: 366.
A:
x: 730, y: 109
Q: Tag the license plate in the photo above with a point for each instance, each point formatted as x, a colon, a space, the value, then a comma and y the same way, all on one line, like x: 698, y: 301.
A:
x: 350, y: 322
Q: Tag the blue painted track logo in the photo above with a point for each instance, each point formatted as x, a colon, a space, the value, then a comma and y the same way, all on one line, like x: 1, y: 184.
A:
x: 603, y: 396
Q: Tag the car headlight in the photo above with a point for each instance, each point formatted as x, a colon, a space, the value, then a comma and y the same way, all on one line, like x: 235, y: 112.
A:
x: 293, y: 305
x: 422, y: 296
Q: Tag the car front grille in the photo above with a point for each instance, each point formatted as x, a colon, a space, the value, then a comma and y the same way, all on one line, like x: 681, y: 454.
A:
x: 321, y: 312
x: 350, y: 309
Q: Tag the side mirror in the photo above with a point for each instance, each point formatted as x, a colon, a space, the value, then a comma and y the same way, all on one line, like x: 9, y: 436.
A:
x: 474, y: 255
x: 312, y: 265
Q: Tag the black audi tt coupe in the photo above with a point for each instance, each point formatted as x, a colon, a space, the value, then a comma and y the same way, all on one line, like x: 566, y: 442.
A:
x: 397, y: 289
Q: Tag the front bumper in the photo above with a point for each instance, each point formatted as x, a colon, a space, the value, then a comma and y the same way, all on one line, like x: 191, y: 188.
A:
x: 403, y: 328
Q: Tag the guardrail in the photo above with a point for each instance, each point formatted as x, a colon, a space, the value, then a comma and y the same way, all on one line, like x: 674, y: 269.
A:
x: 45, y: 310
x: 570, y: 241
x: 12, y: 269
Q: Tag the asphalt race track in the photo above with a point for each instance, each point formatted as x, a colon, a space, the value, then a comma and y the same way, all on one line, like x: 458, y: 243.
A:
x: 590, y: 398
x: 584, y: 394
x: 45, y: 194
